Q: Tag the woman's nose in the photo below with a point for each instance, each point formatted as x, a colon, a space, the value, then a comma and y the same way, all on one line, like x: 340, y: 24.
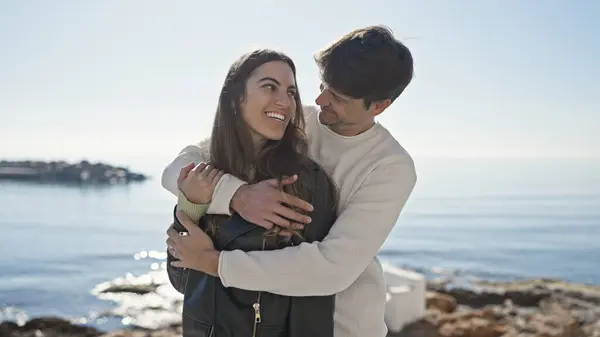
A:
x: 284, y: 100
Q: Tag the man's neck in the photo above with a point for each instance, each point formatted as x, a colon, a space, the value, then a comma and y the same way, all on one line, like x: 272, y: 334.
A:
x: 351, y: 130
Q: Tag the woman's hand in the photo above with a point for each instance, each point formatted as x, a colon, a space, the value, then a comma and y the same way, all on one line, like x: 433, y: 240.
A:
x: 194, y: 249
x: 197, y: 183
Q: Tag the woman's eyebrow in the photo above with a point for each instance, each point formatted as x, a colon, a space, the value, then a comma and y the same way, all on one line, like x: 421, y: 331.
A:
x: 269, y: 79
x: 276, y: 81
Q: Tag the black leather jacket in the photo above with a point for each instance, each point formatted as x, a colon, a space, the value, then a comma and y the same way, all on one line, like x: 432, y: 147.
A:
x: 212, y: 310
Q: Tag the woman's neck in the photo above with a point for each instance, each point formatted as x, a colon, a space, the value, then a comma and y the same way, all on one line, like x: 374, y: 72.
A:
x: 257, y: 143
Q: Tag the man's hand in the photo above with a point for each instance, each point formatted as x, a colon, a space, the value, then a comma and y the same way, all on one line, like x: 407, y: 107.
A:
x: 198, y: 182
x: 263, y: 204
x: 194, y: 249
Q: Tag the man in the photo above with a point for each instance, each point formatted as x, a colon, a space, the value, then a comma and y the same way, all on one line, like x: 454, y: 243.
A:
x: 362, y: 74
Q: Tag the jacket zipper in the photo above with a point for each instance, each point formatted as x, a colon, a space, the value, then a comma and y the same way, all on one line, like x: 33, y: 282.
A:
x: 256, y: 304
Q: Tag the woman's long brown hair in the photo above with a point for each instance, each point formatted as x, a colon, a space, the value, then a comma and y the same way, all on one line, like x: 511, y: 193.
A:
x: 231, y: 146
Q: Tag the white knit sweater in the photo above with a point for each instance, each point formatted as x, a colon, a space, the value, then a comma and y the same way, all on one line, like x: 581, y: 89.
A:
x: 375, y: 176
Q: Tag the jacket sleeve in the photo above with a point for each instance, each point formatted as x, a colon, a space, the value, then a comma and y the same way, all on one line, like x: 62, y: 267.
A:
x: 177, y: 276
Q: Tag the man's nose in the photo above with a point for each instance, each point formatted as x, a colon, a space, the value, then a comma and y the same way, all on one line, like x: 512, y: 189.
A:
x: 322, y: 99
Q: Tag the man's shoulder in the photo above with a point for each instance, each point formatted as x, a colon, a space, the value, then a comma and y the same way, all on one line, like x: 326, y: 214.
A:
x: 389, y: 148
x: 392, y: 159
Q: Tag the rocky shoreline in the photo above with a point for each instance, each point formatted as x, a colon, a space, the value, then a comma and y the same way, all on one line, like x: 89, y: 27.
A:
x: 540, y: 308
x: 62, y: 172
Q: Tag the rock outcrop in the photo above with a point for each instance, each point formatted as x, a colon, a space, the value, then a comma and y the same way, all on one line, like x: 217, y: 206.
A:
x: 83, y: 172
x: 539, y: 308
x: 533, y: 308
x: 47, y: 327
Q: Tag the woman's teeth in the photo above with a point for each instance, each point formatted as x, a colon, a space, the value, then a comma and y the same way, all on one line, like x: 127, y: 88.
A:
x: 276, y: 115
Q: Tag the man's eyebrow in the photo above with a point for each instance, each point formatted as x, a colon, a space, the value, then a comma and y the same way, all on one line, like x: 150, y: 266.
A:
x: 333, y: 93
x: 338, y: 96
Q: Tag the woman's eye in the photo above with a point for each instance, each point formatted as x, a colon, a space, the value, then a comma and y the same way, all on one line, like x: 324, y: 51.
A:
x: 270, y: 87
x: 292, y: 93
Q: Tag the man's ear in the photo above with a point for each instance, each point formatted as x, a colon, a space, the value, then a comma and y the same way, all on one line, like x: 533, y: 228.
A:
x: 378, y: 107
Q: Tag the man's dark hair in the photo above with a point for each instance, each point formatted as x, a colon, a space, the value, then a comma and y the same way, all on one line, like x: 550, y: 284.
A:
x: 367, y: 63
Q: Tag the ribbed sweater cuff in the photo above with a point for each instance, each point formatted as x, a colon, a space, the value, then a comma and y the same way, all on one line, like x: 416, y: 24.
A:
x: 193, y: 211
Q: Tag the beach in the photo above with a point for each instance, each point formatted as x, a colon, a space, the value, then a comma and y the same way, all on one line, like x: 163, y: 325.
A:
x: 532, y: 308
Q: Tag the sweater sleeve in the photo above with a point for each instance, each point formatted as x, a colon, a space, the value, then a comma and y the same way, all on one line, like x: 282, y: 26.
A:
x: 329, y: 266
x: 225, y: 189
x: 192, y: 153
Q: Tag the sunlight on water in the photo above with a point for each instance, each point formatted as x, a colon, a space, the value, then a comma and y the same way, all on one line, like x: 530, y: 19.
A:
x: 150, y: 254
x: 10, y: 313
x: 147, y: 300
x: 466, y: 219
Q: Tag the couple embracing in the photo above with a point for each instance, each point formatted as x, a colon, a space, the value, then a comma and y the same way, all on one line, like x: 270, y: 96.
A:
x: 281, y: 212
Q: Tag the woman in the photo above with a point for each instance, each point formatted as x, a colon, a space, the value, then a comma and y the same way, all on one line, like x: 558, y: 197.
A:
x: 257, y: 135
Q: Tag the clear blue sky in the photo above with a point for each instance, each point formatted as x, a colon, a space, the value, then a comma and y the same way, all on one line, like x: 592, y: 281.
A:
x: 114, y: 78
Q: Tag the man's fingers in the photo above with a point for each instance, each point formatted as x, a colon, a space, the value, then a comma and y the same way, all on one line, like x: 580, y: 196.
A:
x: 279, y: 221
x: 289, y: 180
x: 264, y: 224
x: 292, y: 215
x: 276, y: 230
x: 296, y: 202
x: 285, y: 181
x: 273, y: 182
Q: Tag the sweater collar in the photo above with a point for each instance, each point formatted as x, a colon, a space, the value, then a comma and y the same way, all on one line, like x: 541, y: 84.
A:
x: 360, y: 137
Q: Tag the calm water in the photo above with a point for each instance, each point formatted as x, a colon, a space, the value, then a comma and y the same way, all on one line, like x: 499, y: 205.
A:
x: 485, y: 218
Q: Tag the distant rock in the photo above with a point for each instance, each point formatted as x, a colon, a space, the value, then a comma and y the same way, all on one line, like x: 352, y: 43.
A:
x: 62, y: 172
x: 139, y: 289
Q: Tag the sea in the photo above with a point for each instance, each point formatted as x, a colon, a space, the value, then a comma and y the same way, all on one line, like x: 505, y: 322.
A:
x: 478, y: 218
